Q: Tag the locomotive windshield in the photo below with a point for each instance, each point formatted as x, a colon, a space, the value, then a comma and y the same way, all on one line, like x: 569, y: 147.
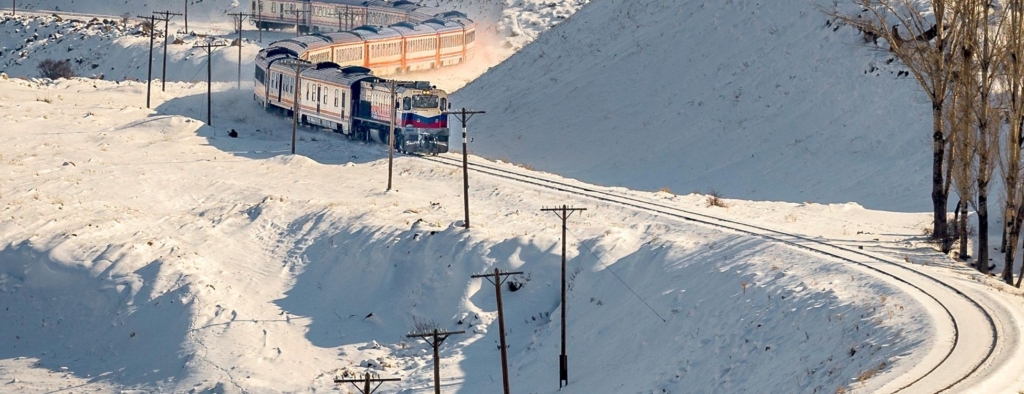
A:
x: 424, y: 101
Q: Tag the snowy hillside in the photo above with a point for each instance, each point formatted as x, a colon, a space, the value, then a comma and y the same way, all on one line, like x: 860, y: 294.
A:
x: 148, y: 251
x: 198, y: 10
x: 755, y: 99
x: 118, y: 51
x: 113, y: 50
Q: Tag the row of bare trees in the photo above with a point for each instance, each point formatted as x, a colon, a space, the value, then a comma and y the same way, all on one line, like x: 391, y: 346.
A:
x: 966, y: 56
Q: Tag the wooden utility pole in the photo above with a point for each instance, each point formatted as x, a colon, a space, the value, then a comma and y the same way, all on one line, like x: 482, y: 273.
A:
x: 208, y: 47
x: 186, y: 16
x: 347, y: 14
x: 393, y: 88
x: 239, y: 18
x: 563, y: 360
x: 299, y: 65
x: 497, y: 281
x: 152, y: 37
x: 464, y: 116
x: 435, y: 339
x: 297, y: 13
x: 167, y: 34
x: 366, y: 383
x: 14, y: 7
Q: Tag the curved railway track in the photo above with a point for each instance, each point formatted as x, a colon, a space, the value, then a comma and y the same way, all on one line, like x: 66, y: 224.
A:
x: 941, y: 371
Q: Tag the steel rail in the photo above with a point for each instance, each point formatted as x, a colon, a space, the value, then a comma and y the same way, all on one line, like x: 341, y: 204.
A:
x: 756, y: 231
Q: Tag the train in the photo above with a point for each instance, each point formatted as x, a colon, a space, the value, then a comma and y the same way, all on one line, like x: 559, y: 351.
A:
x: 354, y: 44
x: 448, y: 39
x: 350, y: 100
x: 387, y: 37
x: 311, y: 16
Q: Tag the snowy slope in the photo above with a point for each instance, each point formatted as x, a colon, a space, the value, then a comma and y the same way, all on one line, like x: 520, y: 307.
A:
x: 147, y: 251
x: 114, y: 51
x: 198, y: 10
x: 117, y: 51
x: 758, y: 100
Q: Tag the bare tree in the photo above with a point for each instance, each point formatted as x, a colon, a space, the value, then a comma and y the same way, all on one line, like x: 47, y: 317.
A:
x: 961, y: 161
x: 981, y: 56
x: 922, y: 46
x: 1012, y: 81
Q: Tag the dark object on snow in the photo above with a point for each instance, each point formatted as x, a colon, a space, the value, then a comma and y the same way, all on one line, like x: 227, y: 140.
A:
x: 233, y: 133
x: 368, y: 316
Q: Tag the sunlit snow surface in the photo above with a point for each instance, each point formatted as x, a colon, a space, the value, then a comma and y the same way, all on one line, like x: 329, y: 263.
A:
x: 145, y: 250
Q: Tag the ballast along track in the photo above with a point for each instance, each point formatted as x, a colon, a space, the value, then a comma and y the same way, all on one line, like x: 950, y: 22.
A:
x: 939, y: 372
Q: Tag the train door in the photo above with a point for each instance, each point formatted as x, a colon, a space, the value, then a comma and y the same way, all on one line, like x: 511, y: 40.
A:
x: 318, y: 91
x: 280, y: 80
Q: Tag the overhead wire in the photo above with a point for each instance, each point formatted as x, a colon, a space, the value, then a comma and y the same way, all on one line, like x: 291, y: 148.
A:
x: 608, y: 268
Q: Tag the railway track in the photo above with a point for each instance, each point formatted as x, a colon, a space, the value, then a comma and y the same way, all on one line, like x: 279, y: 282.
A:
x: 943, y: 368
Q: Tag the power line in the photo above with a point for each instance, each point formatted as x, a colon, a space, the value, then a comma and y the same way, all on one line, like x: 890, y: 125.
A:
x: 608, y: 267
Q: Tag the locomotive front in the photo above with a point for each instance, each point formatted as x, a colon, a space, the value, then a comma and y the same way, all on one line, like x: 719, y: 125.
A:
x: 424, y: 125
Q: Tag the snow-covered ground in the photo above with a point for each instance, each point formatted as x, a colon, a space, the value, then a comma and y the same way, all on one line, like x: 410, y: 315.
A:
x: 146, y: 250
x: 150, y: 251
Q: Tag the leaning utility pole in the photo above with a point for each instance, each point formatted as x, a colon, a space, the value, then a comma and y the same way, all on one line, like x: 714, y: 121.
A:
x: 366, y: 383
x: 435, y: 340
x: 299, y: 65
x: 297, y: 13
x: 563, y: 360
x: 167, y: 34
x: 209, y: 78
x: 464, y: 116
x: 239, y: 18
x: 497, y: 281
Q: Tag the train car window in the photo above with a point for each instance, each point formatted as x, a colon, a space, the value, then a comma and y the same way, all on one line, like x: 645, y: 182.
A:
x: 406, y: 103
x: 335, y: 98
x: 444, y: 103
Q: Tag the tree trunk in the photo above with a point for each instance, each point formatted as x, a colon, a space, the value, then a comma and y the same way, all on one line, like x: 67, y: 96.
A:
x: 1011, y: 250
x: 963, y: 230
x: 982, y: 260
x: 938, y: 191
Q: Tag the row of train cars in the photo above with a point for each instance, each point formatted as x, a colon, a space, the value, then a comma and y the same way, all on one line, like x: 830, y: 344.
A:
x: 343, y: 90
